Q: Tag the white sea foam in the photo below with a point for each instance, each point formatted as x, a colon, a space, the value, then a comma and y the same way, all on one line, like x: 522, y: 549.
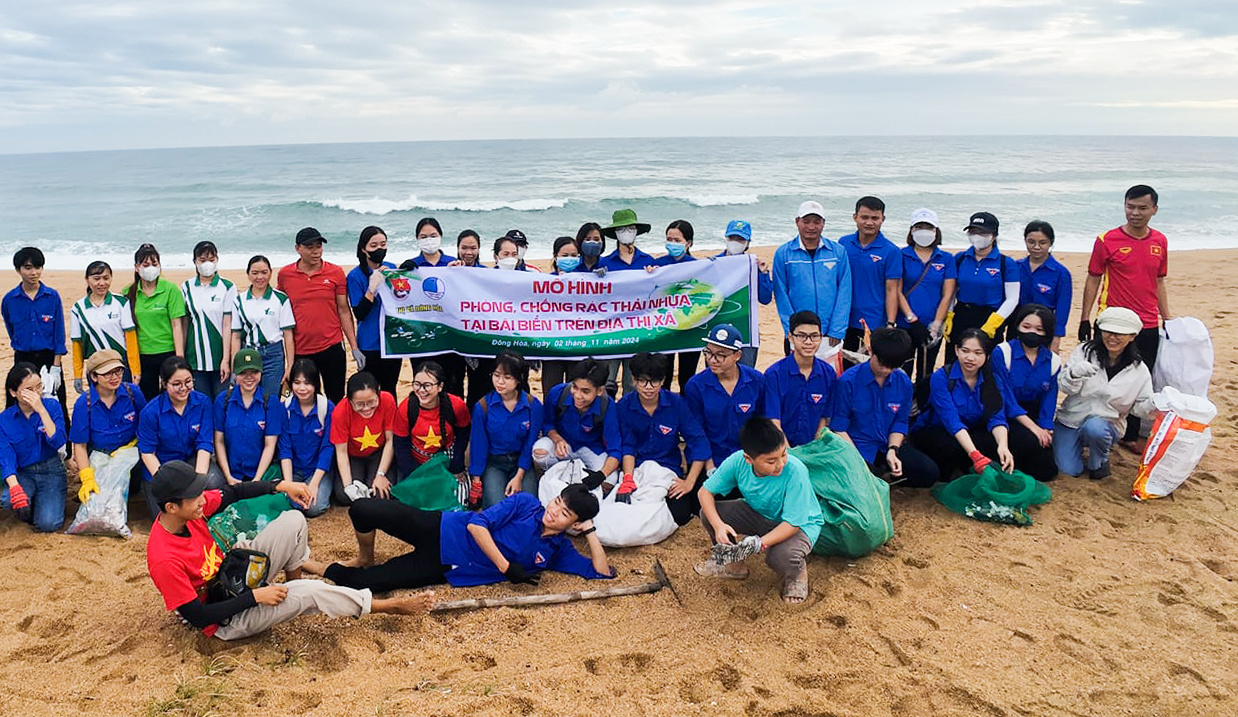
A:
x: 379, y: 207
x: 720, y: 200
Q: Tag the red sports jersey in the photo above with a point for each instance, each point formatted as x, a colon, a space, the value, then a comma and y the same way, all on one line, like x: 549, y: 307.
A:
x: 1129, y: 268
x: 425, y: 435
x: 363, y: 435
x: 181, y: 567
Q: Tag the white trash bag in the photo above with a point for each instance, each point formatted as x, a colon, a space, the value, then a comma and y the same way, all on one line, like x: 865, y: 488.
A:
x: 1178, y: 440
x: 107, y: 512
x: 1185, y: 357
x: 644, y: 521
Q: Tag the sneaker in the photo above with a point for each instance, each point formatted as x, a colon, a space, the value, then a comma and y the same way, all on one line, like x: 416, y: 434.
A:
x: 1100, y: 473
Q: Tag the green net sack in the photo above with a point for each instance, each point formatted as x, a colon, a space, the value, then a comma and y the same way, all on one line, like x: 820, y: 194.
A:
x: 244, y: 519
x: 993, y: 496
x: 855, y: 503
x: 430, y: 487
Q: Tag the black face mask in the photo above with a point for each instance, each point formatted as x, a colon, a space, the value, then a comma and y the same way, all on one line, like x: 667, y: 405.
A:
x: 1032, y: 340
x: 377, y: 255
x: 591, y: 248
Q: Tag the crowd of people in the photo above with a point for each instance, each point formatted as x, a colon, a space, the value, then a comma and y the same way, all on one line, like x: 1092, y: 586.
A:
x: 232, y: 393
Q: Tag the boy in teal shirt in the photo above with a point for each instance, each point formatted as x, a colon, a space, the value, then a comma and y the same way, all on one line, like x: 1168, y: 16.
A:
x: 777, y: 510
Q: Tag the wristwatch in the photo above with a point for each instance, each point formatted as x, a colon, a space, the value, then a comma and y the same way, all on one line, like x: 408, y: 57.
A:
x: 382, y: 474
x: 592, y: 529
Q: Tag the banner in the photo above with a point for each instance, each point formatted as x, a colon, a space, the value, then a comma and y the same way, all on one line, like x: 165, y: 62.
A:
x: 479, y: 311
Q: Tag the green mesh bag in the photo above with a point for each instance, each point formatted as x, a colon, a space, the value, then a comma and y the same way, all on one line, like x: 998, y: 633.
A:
x: 854, y: 502
x: 244, y: 519
x: 993, y: 496
x: 430, y: 487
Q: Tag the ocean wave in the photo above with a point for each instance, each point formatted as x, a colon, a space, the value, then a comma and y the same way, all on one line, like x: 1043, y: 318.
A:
x: 379, y: 207
x: 720, y: 200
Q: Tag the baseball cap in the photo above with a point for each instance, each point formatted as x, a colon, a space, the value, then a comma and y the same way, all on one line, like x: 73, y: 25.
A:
x: 516, y: 236
x: 810, y: 207
x: 739, y: 228
x: 310, y: 235
x: 103, y: 361
x: 247, y: 359
x: 925, y: 216
x: 726, y: 336
x: 176, y: 481
x: 982, y: 222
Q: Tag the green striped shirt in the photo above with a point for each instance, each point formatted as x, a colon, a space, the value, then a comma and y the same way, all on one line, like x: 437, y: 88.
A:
x: 205, y: 307
x: 101, y: 327
x: 262, y: 319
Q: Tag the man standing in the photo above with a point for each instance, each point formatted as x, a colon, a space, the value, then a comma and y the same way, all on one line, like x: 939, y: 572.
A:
x: 876, y: 270
x: 1128, y: 269
x: 318, y: 291
x: 812, y: 273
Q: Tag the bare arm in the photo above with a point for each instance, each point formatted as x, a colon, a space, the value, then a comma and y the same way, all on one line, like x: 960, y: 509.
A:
x: 1162, y: 298
x: 203, y: 463
x: 596, y: 552
x: 178, y: 336
x: 268, y: 455
x: 1091, y: 288
x: 346, y: 320
x: 893, y: 295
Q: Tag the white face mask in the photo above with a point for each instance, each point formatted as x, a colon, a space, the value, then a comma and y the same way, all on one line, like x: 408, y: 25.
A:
x: 734, y: 246
x: 520, y: 250
x: 429, y: 245
x: 206, y: 269
x: 923, y: 237
x: 626, y: 235
x: 980, y: 241
x: 509, y: 262
x: 149, y: 273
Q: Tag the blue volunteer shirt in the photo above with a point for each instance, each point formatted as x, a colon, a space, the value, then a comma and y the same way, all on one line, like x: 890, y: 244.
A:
x: 960, y: 408
x: 612, y: 262
x: 669, y: 260
x: 869, y: 412
x: 305, y: 440
x: 819, y: 282
x: 722, y: 415
x: 443, y: 260
x: 497, y: 431
x: 784, y: 498
x: 591, y: 429
x: 1028, y: 383
x: 1049, y: 285
x: 655, y: 437
x: 102, y: 428
x: 34, y: 324
x: 515, y: 523
x: 28, y: 442
x: 797, y: 402
x: 246, y: 429
x: 871, y: 267
x: 367, y: 328
x: 173, y: 436
x: 924, y: 294
x: 981, y: 281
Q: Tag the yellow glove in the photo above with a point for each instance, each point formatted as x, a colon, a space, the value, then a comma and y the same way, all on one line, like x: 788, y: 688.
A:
x: 130, y: 444
x: 993, y: 324
x: 948, y: 327
x: 89, y: 485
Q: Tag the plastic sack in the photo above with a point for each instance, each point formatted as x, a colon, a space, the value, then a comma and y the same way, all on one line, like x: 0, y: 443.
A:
x: 644, y: 521
x: 854, y: 502
x: 1185, y: 358
x: 244, y: 519
x: 430, y: 487
x: 832, y: 356
x: 993, y: 496
x: 107, y: 512
x: 1179, y: 438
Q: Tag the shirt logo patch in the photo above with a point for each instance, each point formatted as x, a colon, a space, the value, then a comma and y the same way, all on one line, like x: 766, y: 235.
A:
x: 816, y: 397
x: 262, y: 424
x: 1042, y: 288
x: 538, y: 558
x: 992, y: 272
x: 318, y: 432
x: 524, y: 425
x: 46, y: 318
x: 666, y: 430
x: 745, y: 407
x: 937, y: 266
x: 894, y: 407
x: 195, y: 427
x: 130, y: 417
x: 830, y: 264
x: 875, y: 257
x: 1156, y: 250
x: 1124, y: 250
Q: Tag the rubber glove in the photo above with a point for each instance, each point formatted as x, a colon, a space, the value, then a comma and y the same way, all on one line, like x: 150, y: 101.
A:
x: 357, y: 490
x: 993, y: 324
x: 359, y: 357
x: 1084, y: 370
x: 978, y: 461
x: 89, y: 484
x: 376, y: 280
x: 626, y: 488
x: 949, y: 327
x: 77, y: 386
x: 1085, y: 331
x: 20, y: 504
x: 516, y: 575
x: 727, y: 554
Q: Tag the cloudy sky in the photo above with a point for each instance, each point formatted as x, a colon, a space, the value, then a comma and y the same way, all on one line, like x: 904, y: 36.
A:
x: 138, y: 73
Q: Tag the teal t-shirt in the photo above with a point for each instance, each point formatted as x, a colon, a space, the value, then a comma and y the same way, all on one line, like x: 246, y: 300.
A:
x: 786, y: 497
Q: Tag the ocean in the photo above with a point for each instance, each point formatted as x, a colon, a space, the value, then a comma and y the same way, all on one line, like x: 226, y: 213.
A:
x: 86, y: 205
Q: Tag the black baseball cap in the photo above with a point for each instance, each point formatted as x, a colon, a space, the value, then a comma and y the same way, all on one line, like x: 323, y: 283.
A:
x: 516, y: 236
x: 310, y: 235
x: 176, y: 481
x: 982, y: 222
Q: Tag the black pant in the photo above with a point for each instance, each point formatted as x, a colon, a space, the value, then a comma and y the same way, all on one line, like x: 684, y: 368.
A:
x: 1029, y: 456
x: 1148, y: 341
x: 419, y: 528
x: 686, y: 507
x: 150, y: 364
x: 453, y: 373
x: 922, y: 362
x: 943, y: 448
x: 44, y: 359
x: 919, y: 471
x: 969, y: 316
x: 363, y: 470
x: 688, y: 362
x: 479, y: 381
x: 332, y: 364
x: 384, y: 370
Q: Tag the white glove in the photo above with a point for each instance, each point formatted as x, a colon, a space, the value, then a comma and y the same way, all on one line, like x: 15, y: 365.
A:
x: 359, y: 357
x: 357, y: 490
x: 376, y: 280
x: 51, y: 380
x: 1083, y: 370
x: 77, y: 385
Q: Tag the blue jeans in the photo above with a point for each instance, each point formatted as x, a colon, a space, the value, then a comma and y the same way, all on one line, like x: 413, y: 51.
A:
x: 272, y: 368
x: 322, y: 500
x: 44, y: 483
x: 1095, y: 433
x: 499, y: 470
x: 207, y: 382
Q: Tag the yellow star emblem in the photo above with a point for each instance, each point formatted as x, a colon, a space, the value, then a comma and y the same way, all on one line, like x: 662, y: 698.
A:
x: 432, y: 439
x: 367, y: 439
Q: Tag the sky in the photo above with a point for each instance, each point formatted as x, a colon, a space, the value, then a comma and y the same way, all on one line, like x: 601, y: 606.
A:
x: 138, y: 74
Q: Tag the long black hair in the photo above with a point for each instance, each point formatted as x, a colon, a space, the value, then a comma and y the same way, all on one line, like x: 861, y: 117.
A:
x: 366, y: 235
x: 1095, y: 350
x: 990, y: 392
x: 144, y: 252
x: 12, y: 384
x: 446, y: 404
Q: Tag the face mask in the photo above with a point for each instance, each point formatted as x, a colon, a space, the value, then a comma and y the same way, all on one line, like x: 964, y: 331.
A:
x: 923, y: 237
x: 149, y: 273
x: 591, y: 249
x: 508, y: 262
x: 675, y: 249
x: 567, y: 264
x: 1032, y: 340
x: 980, y: 241
x: 520, y: 250
x: 429, y: 245
x: 206, y: 269
x: 626, y: 235
x: 735, y: 247
x: 377, y: 255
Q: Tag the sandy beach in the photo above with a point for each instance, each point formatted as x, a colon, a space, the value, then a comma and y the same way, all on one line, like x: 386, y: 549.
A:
x: 1104, y: 607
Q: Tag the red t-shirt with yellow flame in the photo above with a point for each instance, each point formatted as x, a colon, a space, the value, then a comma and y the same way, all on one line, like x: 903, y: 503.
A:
x: 182, y: 566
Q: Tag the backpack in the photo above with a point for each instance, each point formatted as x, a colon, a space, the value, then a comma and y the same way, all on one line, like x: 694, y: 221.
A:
x: 1055, y: 361
x: 291, y: 402
x: 445, y: 417
x: 566, y: 396
x: 266, y: 403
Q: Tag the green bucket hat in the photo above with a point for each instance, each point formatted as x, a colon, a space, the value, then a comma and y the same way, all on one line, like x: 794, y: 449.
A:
x: 624, y: 218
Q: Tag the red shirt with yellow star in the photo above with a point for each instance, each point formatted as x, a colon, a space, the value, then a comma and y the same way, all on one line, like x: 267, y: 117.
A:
x: 425, y: 435
x: 181, y: 566
x: 363, y: 435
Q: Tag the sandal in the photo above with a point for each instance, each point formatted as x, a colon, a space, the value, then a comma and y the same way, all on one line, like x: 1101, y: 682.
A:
x: 795, y: 590
x: 711, y: 569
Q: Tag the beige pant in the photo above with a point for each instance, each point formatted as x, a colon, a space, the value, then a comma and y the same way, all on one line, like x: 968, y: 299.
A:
x: 285, y: 541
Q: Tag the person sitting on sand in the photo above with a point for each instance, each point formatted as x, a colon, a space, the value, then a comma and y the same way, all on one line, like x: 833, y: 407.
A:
x: 514, y: 540
x: 725, y: 395
x: 579, y: 421
x: 182, y: 559
x: 777, y: 509
x: 799, y: 388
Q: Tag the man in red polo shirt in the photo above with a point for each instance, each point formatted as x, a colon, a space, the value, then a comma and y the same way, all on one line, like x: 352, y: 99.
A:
x: 318, y: 291
x: 1128, y: 269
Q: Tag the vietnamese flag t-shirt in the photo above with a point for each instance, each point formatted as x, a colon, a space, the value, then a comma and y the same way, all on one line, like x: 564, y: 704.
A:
x: 428, y: 437
x: 363, y: 435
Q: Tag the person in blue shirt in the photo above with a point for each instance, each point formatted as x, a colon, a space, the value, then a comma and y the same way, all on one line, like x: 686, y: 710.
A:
x: 724, y: 397
x: 31, y: 435
x: 515, y: 540
x: 592, y: 246
x: 930, y: 276
x: 738, y: 236
x: 306, y: 454
x: 430, y: 242
x: 105, y: 416
x: 813, y: 273
x: 876, y: 273
x: 652, y: 423
x: 1043, y: 279
x: 679, y: 235
x: 247, y: 423
x: 177, y: 425
x: 624, y: 229
x: 799, y: 389
x: 579, y: 422
x: 872, y: 411
x: 566, y: 261
x: 34, y: 318
x: 364, y: 282
x: 777, y: 510
x: 1029, y: 370
x: 988, y: 283
x: 506, y: 424
x: 964, y: 426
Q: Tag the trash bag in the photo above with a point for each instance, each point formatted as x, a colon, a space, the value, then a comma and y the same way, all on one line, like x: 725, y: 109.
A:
x: 430, y: 487
x: 644, y: 521
x: 1178, y: 440
x: 855, y: 503
x: 244, y: 519
x: 1185, y: 359
x: 107, y: 512
x: 993, y: 496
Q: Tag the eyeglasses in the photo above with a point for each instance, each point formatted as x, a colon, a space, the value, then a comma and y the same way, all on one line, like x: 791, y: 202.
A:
x: 806, y: 338
x: 424, y: 385
x: 110, y: 374
x: 646, y: 383
x: 358, y: 406
x: 717, y: 356
x: 178, y: 385
x: 501, y: 375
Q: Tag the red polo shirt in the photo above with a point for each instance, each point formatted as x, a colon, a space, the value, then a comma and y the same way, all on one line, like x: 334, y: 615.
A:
x: 313, y: 305
x: 1129, y: 268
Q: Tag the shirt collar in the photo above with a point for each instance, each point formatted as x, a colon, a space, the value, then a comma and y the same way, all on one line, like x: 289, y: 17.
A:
x: 265, y: 295
x: 956, y: 372
x: 522, y: 399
